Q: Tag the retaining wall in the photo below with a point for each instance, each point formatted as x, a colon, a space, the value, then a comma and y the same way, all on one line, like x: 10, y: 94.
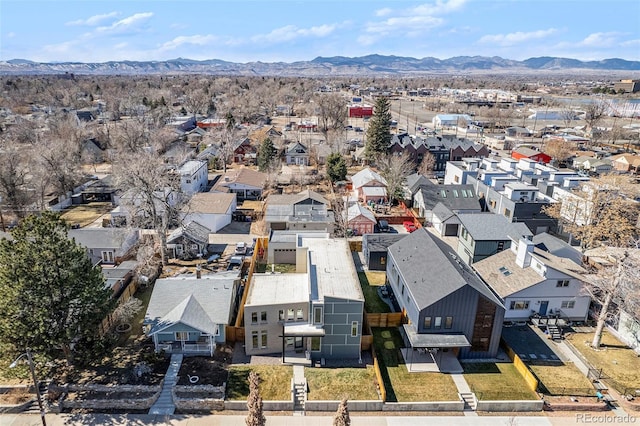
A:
x: 422, y: 406
x: 267, y: 405
x: 197, y: 403
x: 510, y: 406
x: 333, y: 405
x: 130, y: 403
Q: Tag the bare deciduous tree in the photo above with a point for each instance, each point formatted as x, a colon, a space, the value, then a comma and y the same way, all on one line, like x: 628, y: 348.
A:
x: 427, y: 164
x: 558, y: 149
x: 395, y: 169
x: 15, y: 179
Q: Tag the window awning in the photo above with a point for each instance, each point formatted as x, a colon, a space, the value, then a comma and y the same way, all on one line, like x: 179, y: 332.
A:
x: 435, y: 340
x: 303, y: 329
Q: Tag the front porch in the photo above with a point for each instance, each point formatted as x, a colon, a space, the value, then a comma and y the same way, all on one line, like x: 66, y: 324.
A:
x: 186, y: 348
x: 298, y: 340
x: 433, y: 352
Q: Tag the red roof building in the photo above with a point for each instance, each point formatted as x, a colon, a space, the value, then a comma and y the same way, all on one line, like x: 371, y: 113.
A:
x: 531, y: 154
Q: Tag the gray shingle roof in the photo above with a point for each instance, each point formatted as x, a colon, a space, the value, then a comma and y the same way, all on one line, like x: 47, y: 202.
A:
x: 455, y: 197
x: 194, y: 231
x: 492, y: 227
x: 198, y: 303
x: 380, y: 242
x: 432, y: 270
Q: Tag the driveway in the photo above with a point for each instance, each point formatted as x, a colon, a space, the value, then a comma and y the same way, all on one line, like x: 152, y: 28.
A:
x: 530, y: 345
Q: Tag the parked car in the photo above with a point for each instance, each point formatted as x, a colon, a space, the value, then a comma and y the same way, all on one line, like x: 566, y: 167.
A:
x: 358, y: 129
x: 241, y: 248
x: 383, y: 226
x: 409, y: 226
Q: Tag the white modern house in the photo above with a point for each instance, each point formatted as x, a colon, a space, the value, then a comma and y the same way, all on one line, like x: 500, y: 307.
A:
x: 193, y: 176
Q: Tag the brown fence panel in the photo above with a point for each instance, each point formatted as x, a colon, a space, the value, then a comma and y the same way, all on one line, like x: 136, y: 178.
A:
x: 260, y: 247
x: 355, y: 245
x: 365, y: 342
x: 234, y: 334
x: 376, y: 369
x: 390, y: 319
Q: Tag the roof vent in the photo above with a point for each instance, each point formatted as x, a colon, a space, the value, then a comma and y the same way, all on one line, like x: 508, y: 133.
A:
x: 504, y: 271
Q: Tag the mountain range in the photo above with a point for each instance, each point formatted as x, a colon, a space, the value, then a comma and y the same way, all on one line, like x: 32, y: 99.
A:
x: 325, y: 66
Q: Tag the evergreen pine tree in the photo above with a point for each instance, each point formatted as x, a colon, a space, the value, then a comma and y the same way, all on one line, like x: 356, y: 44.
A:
x: 266, y: 155
x: 336, y: 167
x: 50, y: 292
x: 379, y: 133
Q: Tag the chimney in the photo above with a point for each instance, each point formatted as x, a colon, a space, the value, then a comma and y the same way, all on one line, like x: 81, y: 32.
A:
x: 523, y: 256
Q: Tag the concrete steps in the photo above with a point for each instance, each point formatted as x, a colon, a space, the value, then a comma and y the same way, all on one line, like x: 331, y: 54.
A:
x: 299, y: 390
x: 470, y: 401
x: 554, y: 332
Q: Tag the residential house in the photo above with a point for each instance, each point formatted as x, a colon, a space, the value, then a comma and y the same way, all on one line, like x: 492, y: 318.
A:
x: 360, y: 219
x: 457, y: 198
x: 297, y: 154
x: 557, y: 247
x: 374, y: 249
x: 213, y: 210
x: 315, y: 312
x: 444, y: 121
x: 531, y: 154
x: 189, y: 241
x: 485, y: 234
x: 531, y: 282
x: 189, y: 314
x: 105, y: 245
x: 265, y: 132
x: 246, y: 183
x: 244, y: 152
x: 518, y: 132
x: 369, y: 185
x: 626, y: 163
x: 598, y: 166
x: 306, y: 211
x: 99, y: 190
x: 194, y: 176
x: 448, y: 308
x: 444, y: 221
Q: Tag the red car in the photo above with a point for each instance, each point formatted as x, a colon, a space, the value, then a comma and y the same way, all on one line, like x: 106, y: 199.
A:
x: 409, y: 226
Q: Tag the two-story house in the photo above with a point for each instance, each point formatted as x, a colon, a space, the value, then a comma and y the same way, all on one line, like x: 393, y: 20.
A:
x: 484, y: 234
x: 306, y: 211
x: 448, y: 307
x: 193, y: 176
x: 315, y: 312
x: 369, y: 185
x: 531, y: 281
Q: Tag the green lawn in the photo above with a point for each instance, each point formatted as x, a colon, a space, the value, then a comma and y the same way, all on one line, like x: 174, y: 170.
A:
x: 275, y: 382
x: 276, y: 267
x: 496, y: 381
x: 402, y: 386
x: 372, y: 302
x: 616, y: 359
x: 337, y: 383
x: 562, y: 379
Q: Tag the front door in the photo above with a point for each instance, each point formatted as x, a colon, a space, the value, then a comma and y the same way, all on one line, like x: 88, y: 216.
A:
x: 543, y: 307
x: 298, y: 344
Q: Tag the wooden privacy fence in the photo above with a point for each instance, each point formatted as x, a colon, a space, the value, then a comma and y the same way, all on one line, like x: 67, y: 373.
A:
x: 376, y: 369
x: 234, y: 334
x: 389, y: 319
x: 128, y: 291
x: 259, y: 251
x: 522, y: 368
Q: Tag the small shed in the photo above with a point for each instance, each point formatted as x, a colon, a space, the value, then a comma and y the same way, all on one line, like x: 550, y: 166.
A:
x: 374, y: 249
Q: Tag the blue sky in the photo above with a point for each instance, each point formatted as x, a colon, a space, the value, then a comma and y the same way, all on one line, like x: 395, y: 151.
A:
x: 288, y: 30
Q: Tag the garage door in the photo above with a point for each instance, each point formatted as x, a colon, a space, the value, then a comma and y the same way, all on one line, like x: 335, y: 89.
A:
x: 287, y: 256
x: 451, y: 230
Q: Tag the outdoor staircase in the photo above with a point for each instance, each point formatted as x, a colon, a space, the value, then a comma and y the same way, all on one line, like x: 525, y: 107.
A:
x: 470, y: 401
x: 299, y: 390
x: 554, y: 332
x: 34, y: 408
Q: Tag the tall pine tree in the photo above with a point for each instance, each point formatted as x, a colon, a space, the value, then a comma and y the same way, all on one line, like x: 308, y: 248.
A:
x: 50, y: 292
x: 379, y: 131
x: 266, y: 155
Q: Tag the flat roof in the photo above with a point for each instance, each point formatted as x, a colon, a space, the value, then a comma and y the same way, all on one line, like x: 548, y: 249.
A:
x: 278, y: 289
x: 435, y: 340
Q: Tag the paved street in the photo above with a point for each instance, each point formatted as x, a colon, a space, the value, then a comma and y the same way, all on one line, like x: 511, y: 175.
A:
x: 323, y: 420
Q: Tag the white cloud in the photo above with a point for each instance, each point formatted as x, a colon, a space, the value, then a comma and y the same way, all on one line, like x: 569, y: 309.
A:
x: 92, y: 20
x: 631, y: 43
x: 127, y: 23
x: 600, y: 39
x: 197, y: 40
x: 438, y: 8
x: 383, y: 12
x: 511, y: 39
x: 291, y: 32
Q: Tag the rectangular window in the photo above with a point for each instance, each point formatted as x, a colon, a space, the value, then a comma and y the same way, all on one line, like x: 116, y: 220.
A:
x: 519, y: 304
x: 354, y: 328
x: 263, y: 339
x: 448, y: 322
x: 427, y: 322
x: 290, y: 314
x: 507, y: 213
x: 107, y: 256
x: 254, y: 339
x: 492, y: 203
x: 299, y: 314
x: 500, y: 245
x: 562, y: 283
x: 317, y: 315
x: 182, y: 336
x: 437, y: 323
x: 281, y: 315
x: 456, y: 179
x: 254, y: 317
x: 315, y: 344
x: 568, y: 304
x: 263, y: 316
x: 383, y: 260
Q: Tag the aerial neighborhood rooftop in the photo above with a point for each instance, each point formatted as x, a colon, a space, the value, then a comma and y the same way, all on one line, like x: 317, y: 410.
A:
x: 455, y: 258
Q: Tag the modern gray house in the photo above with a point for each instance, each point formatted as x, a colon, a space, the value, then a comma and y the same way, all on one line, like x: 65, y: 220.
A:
x: 485, y: 234
x: 457, y: 198
x: 374, y: 249
x: 312, y: 314
x: 306, y: 211
x: 448, y: 307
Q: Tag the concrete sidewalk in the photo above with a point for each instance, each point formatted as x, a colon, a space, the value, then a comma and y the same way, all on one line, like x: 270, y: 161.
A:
x: 239, y: 420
